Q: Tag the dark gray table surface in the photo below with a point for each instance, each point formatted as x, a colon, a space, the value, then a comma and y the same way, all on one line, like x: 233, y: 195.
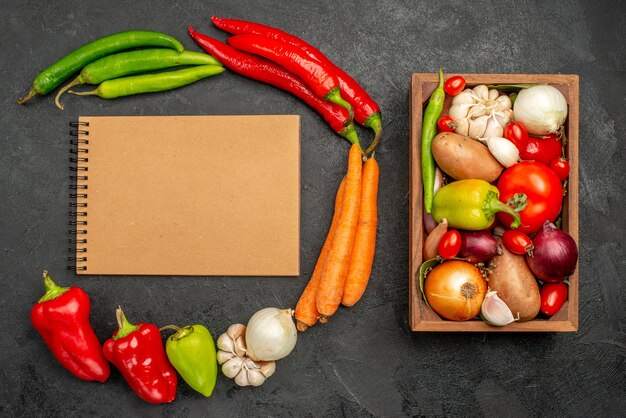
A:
x: 366, y: 361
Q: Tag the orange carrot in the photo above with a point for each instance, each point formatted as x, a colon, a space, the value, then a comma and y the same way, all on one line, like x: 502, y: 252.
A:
x: 365, y: 240
x: 336, y: 268
x: 306, y: 309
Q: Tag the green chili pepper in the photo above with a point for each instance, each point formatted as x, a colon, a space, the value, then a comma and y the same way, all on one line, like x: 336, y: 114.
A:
x: 472, y: 204
x: 191, y: 351
x: 149, y: 83
x: 126, y: 63
x: 63, y: 69
x: 429, y: 130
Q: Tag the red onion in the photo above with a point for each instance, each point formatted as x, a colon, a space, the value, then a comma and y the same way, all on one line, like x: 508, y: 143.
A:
x: 555, y: 254
x: 478, y: 246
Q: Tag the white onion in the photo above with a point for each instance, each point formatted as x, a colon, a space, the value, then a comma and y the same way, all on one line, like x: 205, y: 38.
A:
x: 271, y: 334
x: 542, y: 109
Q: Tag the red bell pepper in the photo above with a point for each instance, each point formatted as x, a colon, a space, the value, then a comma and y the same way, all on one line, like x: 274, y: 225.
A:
x: 137, y: 351
x: 61, y: 316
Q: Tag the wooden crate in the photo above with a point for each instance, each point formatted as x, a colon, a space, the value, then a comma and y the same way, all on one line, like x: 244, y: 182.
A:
x: 422, y: 317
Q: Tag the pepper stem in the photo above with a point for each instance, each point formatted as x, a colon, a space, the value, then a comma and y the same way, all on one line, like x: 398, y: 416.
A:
x: 493, y: 205
x: 349, y: 133
x: 374, y: 122
x: 76, y: 81
x: 84, y: 93
x: 124, y: 327
x: 334, y: 96
x: 32, y: 93
x: 53, y: 290
x: 180, y: 332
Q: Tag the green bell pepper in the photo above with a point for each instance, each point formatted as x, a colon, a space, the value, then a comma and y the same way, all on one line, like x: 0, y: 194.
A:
x: 191, y: 351
x: 472, y: 204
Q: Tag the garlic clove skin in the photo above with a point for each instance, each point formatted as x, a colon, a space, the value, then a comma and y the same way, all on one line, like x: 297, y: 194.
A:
x: 224, y: 356
x: 465, y: 97
x: 477, y: 111
x: 503, y: 150
x: 495, y: 312
x: 232, y: 367
x: 493, y: 128
x: 459, y: 112
x: 225, y: 343
x: 255, y: 378
x: 477, y: 127
x: 242, y: 378
x: 240, y: 346
x: 462, y: 127
x: 482, y: 92
x: 236, y: 330
x: 503, y: 103
x: 493, y: 94
x: 267, y: 367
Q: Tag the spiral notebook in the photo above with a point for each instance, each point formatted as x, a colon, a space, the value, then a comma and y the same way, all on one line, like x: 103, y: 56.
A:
x: 186, y: 195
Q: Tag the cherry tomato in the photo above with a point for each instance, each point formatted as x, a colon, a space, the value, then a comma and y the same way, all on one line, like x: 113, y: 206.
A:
x: 446, y: 124
x: 542, y: 150
x: 553, y: 296
x: 516, y: 133
x: 561, y: 167
x: 450, y: 244
x: 517, y: 242
x: 543, y: 190
x: 454, y: 85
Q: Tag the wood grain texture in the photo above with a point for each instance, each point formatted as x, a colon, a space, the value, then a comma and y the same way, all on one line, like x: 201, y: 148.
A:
x: 422, y: 317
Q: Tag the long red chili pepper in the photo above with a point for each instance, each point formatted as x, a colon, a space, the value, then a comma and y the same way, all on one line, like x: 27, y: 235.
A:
x: 61, y: 316
x: 316, y: 75
x: 260, y: 69
x: 137, y: 351
x: 366, y: 110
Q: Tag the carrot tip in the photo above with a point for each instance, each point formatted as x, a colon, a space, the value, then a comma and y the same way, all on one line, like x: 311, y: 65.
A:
x: 323, y: 319
x: 301, y: 326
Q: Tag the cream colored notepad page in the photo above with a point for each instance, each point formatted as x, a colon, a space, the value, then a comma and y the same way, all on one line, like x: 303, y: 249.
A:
x: 191, y: 195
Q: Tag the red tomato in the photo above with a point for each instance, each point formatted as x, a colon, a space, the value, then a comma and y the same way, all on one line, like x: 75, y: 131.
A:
x: 561, y: 167
x: 517, y: 242
x: 553, y: 296
x: 454, y: 85
x: 516, y: 133
x: 450, y: 244
x: 542, y: 150
x: 543, y: 190
x: 446, y: 124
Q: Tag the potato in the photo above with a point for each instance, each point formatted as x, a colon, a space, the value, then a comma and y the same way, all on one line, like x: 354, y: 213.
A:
x: 462, y: 157
x: 515, y: 284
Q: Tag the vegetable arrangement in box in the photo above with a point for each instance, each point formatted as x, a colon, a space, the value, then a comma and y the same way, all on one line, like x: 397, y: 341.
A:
x: 494, y: 178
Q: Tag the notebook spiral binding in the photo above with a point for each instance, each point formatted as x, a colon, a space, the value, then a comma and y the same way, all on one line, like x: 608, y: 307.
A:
x: 78, y: 192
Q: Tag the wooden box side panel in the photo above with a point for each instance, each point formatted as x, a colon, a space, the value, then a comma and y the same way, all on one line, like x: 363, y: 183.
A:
x: 423, y: 318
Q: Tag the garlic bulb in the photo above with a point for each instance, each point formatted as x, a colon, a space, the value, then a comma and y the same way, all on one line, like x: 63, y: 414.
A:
x: 480, y: 112
x: 231, y: 354
x: 495, y: 312
x: 503, y: 150
x: 271, y: 334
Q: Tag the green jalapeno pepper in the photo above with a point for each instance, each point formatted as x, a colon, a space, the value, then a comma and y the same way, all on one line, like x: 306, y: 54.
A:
x: 191, y: 351
x: 149, y: 83
x: 133, y: 62
x: 429, y: 130
x: 61, y: 70
x: 471, y: 204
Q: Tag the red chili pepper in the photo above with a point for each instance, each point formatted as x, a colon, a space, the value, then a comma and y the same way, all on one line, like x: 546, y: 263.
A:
x: 319, y: 77
x: 366, y: 110
x: 137, y: 351
x: 267, y: 72
x: 61, y: 316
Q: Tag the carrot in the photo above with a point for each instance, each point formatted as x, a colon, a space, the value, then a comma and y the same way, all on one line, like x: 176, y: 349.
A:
x: 306, y: 309
x: 336, y: 268
x: 365, y: 241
